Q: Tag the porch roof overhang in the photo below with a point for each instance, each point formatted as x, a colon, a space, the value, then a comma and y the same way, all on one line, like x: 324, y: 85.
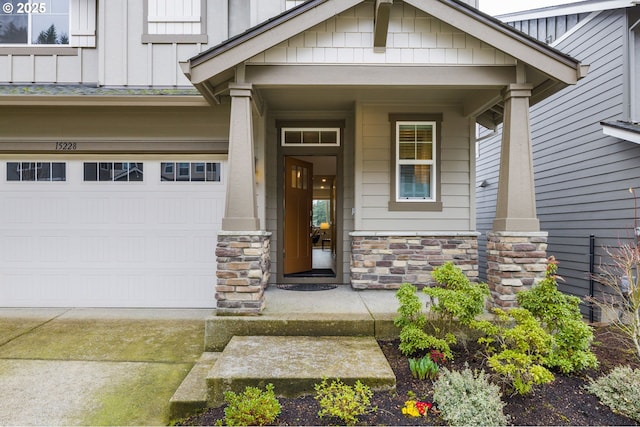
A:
x: 547, y: 69
x: 622, y: 130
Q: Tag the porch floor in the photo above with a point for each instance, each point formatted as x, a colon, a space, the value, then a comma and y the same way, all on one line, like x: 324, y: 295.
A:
x: 341, y: 311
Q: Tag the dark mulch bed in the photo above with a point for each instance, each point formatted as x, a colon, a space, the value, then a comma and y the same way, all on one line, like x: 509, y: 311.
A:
x: 563, y: 402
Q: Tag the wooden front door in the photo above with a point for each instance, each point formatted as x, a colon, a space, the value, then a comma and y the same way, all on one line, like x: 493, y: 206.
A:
x: 298, y: 196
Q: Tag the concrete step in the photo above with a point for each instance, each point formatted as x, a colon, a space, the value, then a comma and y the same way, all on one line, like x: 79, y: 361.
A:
x: 293, y: 364
x: 220, y: 329
x: 192, y: 395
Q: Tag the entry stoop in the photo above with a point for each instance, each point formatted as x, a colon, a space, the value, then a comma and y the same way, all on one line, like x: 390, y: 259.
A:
x: 293, y: 364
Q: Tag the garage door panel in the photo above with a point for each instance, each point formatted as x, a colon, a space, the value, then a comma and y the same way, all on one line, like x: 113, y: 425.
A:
x: 109, y: 244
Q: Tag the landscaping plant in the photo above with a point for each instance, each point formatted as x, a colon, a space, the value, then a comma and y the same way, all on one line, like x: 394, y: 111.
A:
x: 253, y: 407
x: 454, y: 299
x: 560, y: 316
x: 517, y: 348
x: 423, y: 368
x: 339, y: 400
x: 619, y: 390
x: 621, y: 280
x: 468, y: 399
x: 412, y: 322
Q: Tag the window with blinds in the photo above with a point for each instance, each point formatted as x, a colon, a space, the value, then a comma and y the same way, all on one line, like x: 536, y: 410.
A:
x: 415, y: 157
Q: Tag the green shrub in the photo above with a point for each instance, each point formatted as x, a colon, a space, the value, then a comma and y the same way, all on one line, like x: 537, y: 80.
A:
x: 517, y: 348
x: 457, y: 299
x: 412, y: 321
x: 253, y: 407
x: 560, y: 316
x: 342, y: 401
x: 619, y: 390
x: 468, y: 399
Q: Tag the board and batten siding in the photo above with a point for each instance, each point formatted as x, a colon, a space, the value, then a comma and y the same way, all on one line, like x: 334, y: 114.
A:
x: 373, y: 173
x: 548, y: 30
x: 582, y: 176
x: 107, y: 46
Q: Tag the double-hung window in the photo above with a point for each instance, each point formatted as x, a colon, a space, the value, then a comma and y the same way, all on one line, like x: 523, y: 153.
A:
x: 25, y: 23
x: 415, y: 163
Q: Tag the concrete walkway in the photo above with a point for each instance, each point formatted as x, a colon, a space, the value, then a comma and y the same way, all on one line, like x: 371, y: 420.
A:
x: 94, y: 366
x: 122, y: 366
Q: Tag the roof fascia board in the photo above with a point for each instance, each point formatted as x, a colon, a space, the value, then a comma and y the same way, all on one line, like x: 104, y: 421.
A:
x: 263, y: 37
x: 516, y: 44
x: 566, y: 9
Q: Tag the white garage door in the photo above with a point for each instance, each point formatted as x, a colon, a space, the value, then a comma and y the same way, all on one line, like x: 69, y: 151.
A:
x: 101, y: 233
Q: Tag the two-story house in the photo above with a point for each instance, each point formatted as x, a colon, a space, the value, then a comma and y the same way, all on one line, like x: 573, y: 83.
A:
x: 585, y: 139
x: 165, y: 153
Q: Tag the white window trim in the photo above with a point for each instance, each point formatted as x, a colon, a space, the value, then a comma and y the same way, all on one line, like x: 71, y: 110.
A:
x: 175, y: 38
x: 399, y: 162
x: 310, y: 129
x: 415, y: 205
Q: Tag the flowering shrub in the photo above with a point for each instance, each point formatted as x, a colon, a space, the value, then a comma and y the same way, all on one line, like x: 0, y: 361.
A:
x: 416, y: 408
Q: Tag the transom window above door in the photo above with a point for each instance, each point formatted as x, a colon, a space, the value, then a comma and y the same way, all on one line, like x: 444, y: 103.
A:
x: 310, y: 136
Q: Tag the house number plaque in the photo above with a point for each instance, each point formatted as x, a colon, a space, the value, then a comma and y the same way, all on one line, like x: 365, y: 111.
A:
x: 66, y: 146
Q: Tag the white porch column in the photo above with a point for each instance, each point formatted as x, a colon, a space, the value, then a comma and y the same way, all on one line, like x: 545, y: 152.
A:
x: 516, y: 204
x: 241, y: 213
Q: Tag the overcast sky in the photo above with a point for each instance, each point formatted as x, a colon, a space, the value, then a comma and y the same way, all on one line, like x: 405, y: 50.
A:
x: 498, y: 7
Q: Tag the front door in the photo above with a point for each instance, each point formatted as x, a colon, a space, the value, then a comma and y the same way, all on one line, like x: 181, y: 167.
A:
x: 298, y: 196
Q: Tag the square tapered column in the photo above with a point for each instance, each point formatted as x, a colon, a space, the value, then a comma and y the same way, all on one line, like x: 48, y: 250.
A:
x: 240, y: 209
x: 516, y: 204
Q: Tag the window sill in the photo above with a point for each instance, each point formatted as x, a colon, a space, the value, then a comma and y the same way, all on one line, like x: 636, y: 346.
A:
x: 175, y: 38
x: 415, y: 206
x: 39, y: 51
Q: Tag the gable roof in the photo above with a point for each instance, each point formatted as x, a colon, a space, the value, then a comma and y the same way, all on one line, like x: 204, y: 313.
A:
x: 217, y: 64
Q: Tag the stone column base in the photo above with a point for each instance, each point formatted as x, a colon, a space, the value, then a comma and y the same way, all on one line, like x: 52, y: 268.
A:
x: 243, y: 272
x: 515, y: 262
x: 386, y: 260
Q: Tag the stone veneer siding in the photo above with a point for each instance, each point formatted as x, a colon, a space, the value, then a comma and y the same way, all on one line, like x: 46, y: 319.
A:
x: 243, y: 271
x: 387, y: 260
x: 515, y: 262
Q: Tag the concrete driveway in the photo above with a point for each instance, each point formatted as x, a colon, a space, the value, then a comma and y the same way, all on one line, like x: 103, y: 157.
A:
x: 94, y: 366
